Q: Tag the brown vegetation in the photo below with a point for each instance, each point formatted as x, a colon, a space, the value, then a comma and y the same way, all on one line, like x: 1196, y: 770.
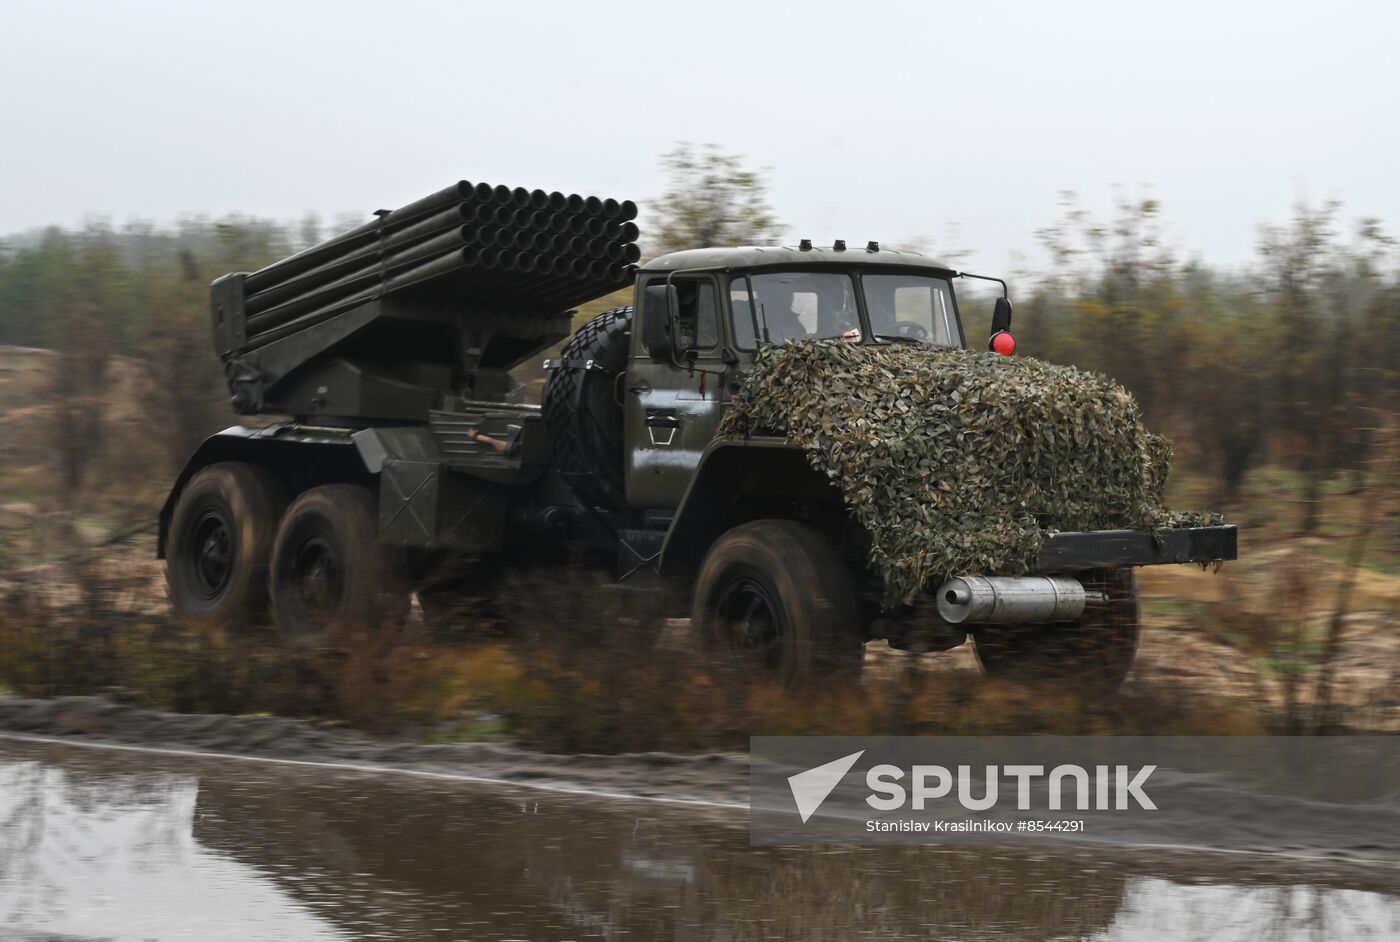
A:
x: 1280, y: 385
x: 568, y: 664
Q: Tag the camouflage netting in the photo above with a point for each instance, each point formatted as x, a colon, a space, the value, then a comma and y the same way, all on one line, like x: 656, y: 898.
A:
x: 959, y: 462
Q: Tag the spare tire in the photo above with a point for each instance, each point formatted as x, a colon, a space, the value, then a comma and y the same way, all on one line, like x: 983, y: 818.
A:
x: 582, y: 412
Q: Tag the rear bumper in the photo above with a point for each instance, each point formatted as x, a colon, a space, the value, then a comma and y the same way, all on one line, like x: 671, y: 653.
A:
x: 1110, y: 549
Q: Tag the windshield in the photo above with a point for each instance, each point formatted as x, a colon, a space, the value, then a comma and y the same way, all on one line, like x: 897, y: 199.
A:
x: 793, y: 306
x: 805, y: 305
x: 916, y: 307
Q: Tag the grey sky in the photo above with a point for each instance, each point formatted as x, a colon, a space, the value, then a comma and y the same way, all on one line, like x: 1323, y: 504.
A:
x: 956, y: 122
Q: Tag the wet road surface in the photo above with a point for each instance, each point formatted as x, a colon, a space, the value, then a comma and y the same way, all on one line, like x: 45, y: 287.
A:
x: 119, y: 845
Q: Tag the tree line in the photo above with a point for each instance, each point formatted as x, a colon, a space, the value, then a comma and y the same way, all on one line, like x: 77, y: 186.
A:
x: 1292, y: 360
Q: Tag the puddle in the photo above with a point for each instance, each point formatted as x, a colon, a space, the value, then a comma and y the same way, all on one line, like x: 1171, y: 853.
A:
x: 127, y: 846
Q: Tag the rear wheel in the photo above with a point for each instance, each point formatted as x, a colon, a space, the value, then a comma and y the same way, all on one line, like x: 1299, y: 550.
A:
x: 772, y: 599
x: 1096, y: 651
x: 329, y: 571
x: 221, y: 536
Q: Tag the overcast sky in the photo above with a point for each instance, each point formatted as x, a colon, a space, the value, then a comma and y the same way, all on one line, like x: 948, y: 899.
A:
x: 957, y: 122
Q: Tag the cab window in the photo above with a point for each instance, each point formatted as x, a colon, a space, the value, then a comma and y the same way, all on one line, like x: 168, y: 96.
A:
x: 793, y: 306
x: 745, y: 317
x: 698, y: 314
x: 916, y: 307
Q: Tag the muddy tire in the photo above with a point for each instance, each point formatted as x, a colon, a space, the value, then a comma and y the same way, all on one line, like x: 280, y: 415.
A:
x: 1095, y: 652
x: 582, y: 413
x: 220, y: 544
x: 330, y: 574
x: 773, y: 600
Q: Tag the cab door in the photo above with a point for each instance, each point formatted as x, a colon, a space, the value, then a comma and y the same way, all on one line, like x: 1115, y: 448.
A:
x: 673, y: 402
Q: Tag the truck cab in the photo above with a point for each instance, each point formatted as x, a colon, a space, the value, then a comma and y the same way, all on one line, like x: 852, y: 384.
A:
x: 701, y: 314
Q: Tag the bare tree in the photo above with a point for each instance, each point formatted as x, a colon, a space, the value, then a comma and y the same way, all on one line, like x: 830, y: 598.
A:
x: 711, y: 200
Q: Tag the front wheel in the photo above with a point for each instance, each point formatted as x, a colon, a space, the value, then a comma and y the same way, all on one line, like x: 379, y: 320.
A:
x: 329, y: 571
x: 1095, y: 652
x: 772, y: 599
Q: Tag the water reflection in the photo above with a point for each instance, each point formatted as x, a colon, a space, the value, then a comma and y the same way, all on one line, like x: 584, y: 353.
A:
x: 114, y: 856
x: 125, y: 846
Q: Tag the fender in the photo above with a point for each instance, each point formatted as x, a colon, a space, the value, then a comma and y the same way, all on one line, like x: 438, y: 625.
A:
x: 296, y: 453
x: 735, y: 480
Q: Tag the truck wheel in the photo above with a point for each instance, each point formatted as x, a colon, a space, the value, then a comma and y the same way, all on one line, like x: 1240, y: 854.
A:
x: 329, y: 571
x: 772, y: 598
x: 1097, y: 651
x: 221, y: 535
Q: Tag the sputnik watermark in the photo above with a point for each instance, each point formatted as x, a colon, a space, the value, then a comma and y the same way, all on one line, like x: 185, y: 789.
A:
x: 1126, y: 786
x: 1159, y: 790
x: 1115, y: 787
x: 812, y: 787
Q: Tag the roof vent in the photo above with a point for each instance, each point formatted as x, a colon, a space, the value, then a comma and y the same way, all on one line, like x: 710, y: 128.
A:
x: 805, y: 245
x: 872, y: 246
x: 839, y: 245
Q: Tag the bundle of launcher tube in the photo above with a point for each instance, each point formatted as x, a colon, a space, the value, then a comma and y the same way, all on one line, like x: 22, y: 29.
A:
x: 531, y: 250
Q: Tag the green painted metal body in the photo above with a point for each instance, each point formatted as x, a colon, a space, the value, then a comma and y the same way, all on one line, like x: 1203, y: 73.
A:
x: 395, y: 391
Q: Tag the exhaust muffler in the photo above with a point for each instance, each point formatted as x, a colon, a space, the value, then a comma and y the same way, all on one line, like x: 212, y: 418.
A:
x: 1008, y: 600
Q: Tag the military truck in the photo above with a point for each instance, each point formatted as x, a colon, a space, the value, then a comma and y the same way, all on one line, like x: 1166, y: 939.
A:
x: 396, y: 456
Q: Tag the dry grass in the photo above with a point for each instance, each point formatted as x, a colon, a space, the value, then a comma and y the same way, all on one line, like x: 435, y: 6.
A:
x: 601, y: 681
x: 1261, y: 646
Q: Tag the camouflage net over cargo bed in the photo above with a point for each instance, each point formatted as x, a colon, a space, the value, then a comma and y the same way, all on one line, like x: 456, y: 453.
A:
x: 958, y: 462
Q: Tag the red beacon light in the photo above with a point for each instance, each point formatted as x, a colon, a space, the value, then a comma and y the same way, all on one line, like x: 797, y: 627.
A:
x: 1002, y: 342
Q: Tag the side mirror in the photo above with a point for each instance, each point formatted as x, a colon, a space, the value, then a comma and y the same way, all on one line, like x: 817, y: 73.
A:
x: 1001, y: 340
x: 659, y: 307
x: 1001, y: 315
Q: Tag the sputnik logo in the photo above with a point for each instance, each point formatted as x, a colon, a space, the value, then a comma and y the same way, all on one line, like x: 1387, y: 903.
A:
x: 811, y: 788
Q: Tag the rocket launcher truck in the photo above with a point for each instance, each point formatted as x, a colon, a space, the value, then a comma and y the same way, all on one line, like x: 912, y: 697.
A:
x: 395, y: 456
